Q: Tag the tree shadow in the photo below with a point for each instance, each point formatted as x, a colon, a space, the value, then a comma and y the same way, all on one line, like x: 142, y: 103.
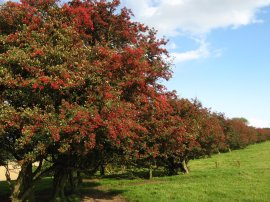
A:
x: 4, y: 192
x: 43, y: 191
x: 92, y: 189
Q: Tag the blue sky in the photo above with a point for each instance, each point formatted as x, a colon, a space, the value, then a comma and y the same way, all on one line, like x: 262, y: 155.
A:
x: 221, y: 51
x: 236, y: 81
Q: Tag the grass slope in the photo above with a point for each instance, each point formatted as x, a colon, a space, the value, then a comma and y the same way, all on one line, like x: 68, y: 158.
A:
x: 242, y: 175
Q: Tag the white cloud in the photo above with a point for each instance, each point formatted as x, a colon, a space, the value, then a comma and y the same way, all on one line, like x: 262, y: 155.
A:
x: 195, y: 18
x: 201, y: 52
x: 171, y: 45
x: 174, y: 17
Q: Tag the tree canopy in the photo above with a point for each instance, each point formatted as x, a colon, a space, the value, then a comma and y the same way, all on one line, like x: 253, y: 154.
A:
x: 79, y: 88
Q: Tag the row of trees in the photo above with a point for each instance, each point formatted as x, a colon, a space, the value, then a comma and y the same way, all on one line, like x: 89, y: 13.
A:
x: 79, y: 89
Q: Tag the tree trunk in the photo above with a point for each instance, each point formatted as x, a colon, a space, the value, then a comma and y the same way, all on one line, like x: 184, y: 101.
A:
x: 102, y: 169
x: 80, y: 180
x: 150, y: 174
x: 21, y: 190
x: 184, y: 167
x: 74, y: 180
x: 59, y: 184
x: 7, y: 174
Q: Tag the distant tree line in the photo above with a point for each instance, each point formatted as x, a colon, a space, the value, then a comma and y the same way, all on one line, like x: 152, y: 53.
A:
x: 80, y: 90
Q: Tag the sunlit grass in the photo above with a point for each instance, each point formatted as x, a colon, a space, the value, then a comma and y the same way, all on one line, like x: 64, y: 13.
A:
x: 242, y: 175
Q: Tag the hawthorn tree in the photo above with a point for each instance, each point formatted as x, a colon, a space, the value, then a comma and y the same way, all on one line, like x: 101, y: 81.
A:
x: 199, y: 134
x: 263, y: 134
x: 156, y: 116
x: 73, y: 82
x: 239, y: 134
x: 79, y: 86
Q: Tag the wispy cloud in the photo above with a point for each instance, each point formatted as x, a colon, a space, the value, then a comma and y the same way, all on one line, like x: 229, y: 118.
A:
x: 201, y: 52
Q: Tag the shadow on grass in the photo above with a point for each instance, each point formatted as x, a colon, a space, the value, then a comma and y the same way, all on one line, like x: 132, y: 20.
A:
x: 4, y: 192
x: 89, y: 189
x: 43, y: 191
x: 93, y: 190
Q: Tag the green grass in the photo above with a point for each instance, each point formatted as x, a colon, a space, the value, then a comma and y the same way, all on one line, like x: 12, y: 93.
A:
x: 249, y: 181
x: 242, y: 175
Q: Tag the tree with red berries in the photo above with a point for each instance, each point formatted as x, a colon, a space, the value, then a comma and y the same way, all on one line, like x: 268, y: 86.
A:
x: 73, y: 81
x: 199, y: 134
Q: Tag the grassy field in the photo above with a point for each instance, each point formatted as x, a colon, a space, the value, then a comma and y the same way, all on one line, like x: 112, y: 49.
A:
x: 242, y: 175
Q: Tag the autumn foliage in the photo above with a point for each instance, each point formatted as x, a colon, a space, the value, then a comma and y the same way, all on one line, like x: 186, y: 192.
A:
x: 79, y: 89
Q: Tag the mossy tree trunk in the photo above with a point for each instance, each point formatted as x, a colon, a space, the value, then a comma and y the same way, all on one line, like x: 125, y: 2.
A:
x: 21, y: 190
x: 74, y: 180
x: 102, y: 169
x: 59, y: 184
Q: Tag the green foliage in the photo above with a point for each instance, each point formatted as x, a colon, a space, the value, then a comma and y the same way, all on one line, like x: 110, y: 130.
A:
x: 242, y: 119
x: 79, y: 89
